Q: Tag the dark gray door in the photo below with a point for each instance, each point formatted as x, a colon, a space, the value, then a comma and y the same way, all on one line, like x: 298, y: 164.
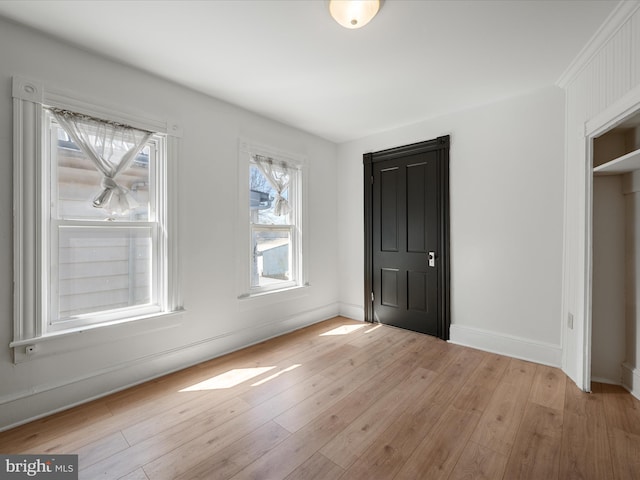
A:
x: 408, y: 261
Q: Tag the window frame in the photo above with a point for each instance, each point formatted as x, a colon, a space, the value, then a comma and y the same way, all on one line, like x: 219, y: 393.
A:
x: 33, y: 224
x: 297, y: 227
x: 57, y: 224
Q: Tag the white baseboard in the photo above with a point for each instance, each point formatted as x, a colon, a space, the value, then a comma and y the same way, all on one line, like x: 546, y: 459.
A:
x: 517, y: 347
x: 631, y: 379
x: 39, y: 401
x: 350, y: 310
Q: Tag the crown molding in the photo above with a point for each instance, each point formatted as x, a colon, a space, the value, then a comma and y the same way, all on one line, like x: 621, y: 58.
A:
x: 616, y: 19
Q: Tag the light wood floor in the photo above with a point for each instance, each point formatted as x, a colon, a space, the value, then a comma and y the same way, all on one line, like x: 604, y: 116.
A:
x: 347, y: 400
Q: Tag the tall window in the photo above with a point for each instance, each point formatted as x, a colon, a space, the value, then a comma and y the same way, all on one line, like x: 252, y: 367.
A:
x: 105, y: 219
x: 94, y: 226
x: 274, y: 217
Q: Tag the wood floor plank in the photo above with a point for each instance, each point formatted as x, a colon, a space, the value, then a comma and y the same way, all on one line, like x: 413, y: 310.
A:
x: 44, y: 434
x: 457, y: 372
x: 317, y: 467
x: 372, y: 335
x: 164, y: 444
x: 317, y: 361
x: 585, y: 452
x: 302, y: 445
x: 437, y: 454
x: 548, y: 387
x: 225, y: 462
x: 536, y: 451
x: 100, y: 449
x: 299, y: 447
x: 166, y: 391
x: 204, y: 439
x: 348, y: 376
x: 622, y: 410
x: 175, y: 416
x: 500, y: 421
x: 479, y: 463
x: 625, y: 450
x: 346, y: 447
x: 137, y: 475
x: 264, y: 411
x: 477, y: 391
x: 388, y: 452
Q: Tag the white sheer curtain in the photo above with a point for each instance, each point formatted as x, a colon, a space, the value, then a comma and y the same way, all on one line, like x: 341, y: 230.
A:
x: 111, y: 147
x: 278, y: 175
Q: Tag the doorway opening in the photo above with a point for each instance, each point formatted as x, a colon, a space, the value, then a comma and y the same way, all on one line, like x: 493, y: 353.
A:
x: 615, y: 250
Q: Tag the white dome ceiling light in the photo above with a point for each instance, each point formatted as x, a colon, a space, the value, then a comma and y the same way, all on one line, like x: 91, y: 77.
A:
x: 353, y: 13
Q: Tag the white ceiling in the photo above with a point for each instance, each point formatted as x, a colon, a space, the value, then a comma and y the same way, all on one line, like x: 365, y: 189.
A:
x: 288, y: 60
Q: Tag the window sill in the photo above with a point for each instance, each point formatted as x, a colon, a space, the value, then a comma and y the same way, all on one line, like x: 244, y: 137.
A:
x: 264, y: 293
x: 31, y: 348
x: 250, y: 301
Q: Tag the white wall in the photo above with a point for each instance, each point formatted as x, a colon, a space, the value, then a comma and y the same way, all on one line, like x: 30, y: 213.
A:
x: 609, y: 219
x: 506, y: 221
x: 90, y: 364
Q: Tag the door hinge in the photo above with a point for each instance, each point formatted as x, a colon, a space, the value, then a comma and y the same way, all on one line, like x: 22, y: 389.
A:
x: 371, y: 179
x: 372, y: 297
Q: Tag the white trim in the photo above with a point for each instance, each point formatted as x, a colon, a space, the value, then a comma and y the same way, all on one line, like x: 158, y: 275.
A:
x: 631, y: 379
x: 300, y: 241
x: 26, y: 229
x: 26, y: 89
x: 615, y: 114
x: 601, y: 123
x: 20, y: 354
x: 50, y: 398
x: 587, y: 307
x: 564, y: 308
x: 172, y: 211
x: 509, y: 345
x: 616, y: 19
x: 40, y: 93
x: 296, y: 291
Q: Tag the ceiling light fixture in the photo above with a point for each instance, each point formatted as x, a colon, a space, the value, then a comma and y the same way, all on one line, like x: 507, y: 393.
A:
x: 353, y: 13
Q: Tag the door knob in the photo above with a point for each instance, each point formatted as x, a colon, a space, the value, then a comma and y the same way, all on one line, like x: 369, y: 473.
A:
x: 432, y: 259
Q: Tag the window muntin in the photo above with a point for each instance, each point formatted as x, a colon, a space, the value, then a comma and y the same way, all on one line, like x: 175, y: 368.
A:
x: 275, y: 239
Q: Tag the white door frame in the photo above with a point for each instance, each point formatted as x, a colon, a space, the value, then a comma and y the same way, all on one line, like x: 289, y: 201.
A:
x: 601, y: 123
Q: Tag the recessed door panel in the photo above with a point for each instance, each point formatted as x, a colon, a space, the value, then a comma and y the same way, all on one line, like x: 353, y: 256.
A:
x: 417, y: 288
x: 416, y: 208
x: 389, y: 287
x: 389, y: 209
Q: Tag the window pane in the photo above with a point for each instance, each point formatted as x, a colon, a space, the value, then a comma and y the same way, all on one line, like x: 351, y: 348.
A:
x: 271, y: 257
x: 78, y: 182
x: 102, y: 269
x: 262, y: 200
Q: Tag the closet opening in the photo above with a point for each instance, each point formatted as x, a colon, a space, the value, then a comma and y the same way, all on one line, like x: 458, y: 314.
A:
x: 615, y: 260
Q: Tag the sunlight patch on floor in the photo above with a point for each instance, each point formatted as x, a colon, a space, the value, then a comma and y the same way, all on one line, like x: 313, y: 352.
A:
x: 374, y: 328
x: 228, y: 379
x: 277, y: 374
x: 342, y: 330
